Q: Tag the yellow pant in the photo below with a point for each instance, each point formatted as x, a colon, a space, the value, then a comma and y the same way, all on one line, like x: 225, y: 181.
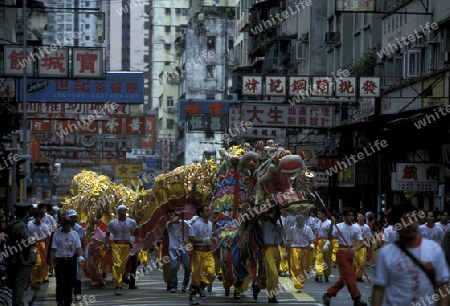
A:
x: 335, y: 247
x: 359, y: 260
x: 39, y: 272
x: 284, y: 263
x: 323, y: 260
x: 203, y: 268
x: 271, y: 261
x: 311, y: 256
x: 244, y: 285
x: 143, y: 257
x: 119, y: 254
x: 299, y: 265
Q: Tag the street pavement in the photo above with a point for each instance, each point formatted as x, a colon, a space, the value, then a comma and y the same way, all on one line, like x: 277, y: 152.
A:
x: 152, y: 291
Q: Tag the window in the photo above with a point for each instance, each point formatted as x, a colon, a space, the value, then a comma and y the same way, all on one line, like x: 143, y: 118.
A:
x: 87, y: 26
x: 210, y: 71
x: 169, y: 101
x: 184, y: 12
x: 177, y: 29
x: 87, y: 4
x: 87, y: 15
x: 87, y: 38
x: 177, y: 11
x: 170, y: 124
x: 230, y: 42
x: 411, y: 63
x: 167, y: 63
x: 160, y: 101
x: 167, y: 29
x: 211, y: 43
x: 167, y: 10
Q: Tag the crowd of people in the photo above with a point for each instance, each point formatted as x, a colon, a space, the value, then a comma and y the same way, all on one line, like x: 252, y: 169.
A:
x: 408, y: 248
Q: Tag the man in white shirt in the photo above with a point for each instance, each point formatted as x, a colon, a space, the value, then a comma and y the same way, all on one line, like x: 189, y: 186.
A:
x: 41, y: 232
x: 323, y: 258
x: 361, y: 255
x: 284, y: 265
x: 178, y: 232
x: 312, y: 223
x: 347, y: 234
x: 72, y: 214
x: 444, y: 223
x: 125, y: 231
x: 398, y: 281
x: 430, y: 230
x: 301, y: 240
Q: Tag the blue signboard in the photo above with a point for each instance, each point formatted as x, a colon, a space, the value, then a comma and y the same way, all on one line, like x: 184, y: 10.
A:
x: 213, y: 107
x: 119, y: 87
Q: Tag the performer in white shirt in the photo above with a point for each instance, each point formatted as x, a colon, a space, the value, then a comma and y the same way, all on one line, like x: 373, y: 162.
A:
x: 444, y: 223
x: 398, y: 281
x: 430, y: 230
x: 361, y: 255
x: 312, y: 223
x: 284, y: 264
x: 301, y: 239
x: 323, y: 258
x: 347, y: 234
x: 39, y: 272
x: 125, y: 231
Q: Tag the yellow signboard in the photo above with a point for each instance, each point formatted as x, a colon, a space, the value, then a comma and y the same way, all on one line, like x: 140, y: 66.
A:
x: 130, y: 171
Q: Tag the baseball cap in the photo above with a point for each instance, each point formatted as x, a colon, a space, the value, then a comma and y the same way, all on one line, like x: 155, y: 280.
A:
x: 71, y: 213
x: 121, y: 207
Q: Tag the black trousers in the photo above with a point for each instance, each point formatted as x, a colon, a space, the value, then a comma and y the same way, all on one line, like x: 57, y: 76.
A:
x: 18, y: 279
x: 66, y: 272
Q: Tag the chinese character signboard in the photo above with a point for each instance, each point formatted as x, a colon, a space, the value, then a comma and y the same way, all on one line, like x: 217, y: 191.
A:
x: 192, y: 107
x: 275, y: 86
x: 262, y: 132
x: 148, y: 139
x: 322, y: 87
x: 275, y: 115
x: 87, y: 62
x: 298, y: 86
x: 251, y: 85
x: 14, y: 61
x: 355, y: 6
x: 369, y: 87
x: 53, y: 63
x: 196, y: 122
x: 420, y: 172
x: 346, y: 87
x: 135, y: 125
x: 119, y: 87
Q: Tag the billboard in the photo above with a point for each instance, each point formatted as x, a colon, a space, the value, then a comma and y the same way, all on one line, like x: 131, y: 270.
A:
x: 212, y: 107
x: 355, y: 5
x: 125, y: 87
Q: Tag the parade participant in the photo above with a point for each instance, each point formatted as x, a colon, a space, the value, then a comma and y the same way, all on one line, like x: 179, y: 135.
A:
x: 125, y: 231
x: 399, y: 280
x: 347, y: 234
x: 430, y: 230
x: 444, y: 223
x: 66, y: 255
x: 48, y: 220
x: 178, y: 231
x: 334, y: 246
x: 272, y: 237
x: 23, y: 258
x: 389, y: 233
x: 361, y: 255
x: 301, y: 238
x: 41, y: 232
x: 72, y: 214
x: 202, y: 260
x: 312, y: 223
x: 284, y: 261
x: 323, y: 258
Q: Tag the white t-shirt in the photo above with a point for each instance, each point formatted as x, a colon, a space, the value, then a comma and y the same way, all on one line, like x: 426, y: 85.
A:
x: 435, y: 233
x: 312, y: 222
x: 201, y: 230
x: 66, y: 243
x: 272, y: 233
x: 347, y: 234
x: 323, y: 228
x: 41, y: 231
x: 365, y: 230
x: 48, y: 220
x: 300, y: 237
x: 404, y: 282
x: 445, y: 227
x: 122, y: 230
x: 176, y: 234
x: 389, y: 234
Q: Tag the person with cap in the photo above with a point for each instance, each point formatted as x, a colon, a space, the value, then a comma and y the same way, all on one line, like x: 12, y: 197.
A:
x: 72, y: 214
x: 41, y: 232
x: 23, y: 253
x: 125, y: 231
x: 66, y: 255
x: 51, y: 223
x: 413, y: 270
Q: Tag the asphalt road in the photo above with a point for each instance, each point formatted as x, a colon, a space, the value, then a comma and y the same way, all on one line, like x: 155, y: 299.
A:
x: 152, y: 291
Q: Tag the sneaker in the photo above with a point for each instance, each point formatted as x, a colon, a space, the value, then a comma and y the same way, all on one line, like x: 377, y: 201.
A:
x: 184, y: 288
x: 202, y: 294
x: 318, y: 279
x: 256, y: 290
x: 236, y: 296
x: 273, y: 300
x: 118, y: 291
x: 193, y: 300
x: 326, y: 299
x: 327, y: 280
x: 78, y: 297
x: 169, y: 286
x: 173, y: 290
x: 359, y: 302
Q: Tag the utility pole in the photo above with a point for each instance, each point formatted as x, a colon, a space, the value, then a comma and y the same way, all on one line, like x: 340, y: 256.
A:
x: 24, y: 89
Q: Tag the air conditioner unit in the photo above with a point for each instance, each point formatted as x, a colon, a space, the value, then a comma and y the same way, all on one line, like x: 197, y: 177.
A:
x: 171, y: 109
x: 332, y: 37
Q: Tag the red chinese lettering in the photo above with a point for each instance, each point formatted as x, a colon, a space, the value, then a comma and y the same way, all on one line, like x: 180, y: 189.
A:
x: 314, y: 121
x: 61, y: 85
x: 82, y: 86
x: 346, y: 87
x: 314, y: 111
x: 325, y: 111
x: 410, y: 172
x: 299, y: 86
x: 192, y: 109
x: 274, y: 86
x: 291, y: 120
x: 322, y: 86
x: 292, y: 110
x: 132, y: 87
x: 369, y: 86
x: 324, y: 121
x: 116, y: 87
x: 16, y: 60
x: 302, y: 111
x: 54, y: 62
x: 275, y: 114
x: 87, y: 62
x: 255, y: 113
x: 251, y: 85
x: 215, y: 108
x: 302, y: 121
x: 100, y: 86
